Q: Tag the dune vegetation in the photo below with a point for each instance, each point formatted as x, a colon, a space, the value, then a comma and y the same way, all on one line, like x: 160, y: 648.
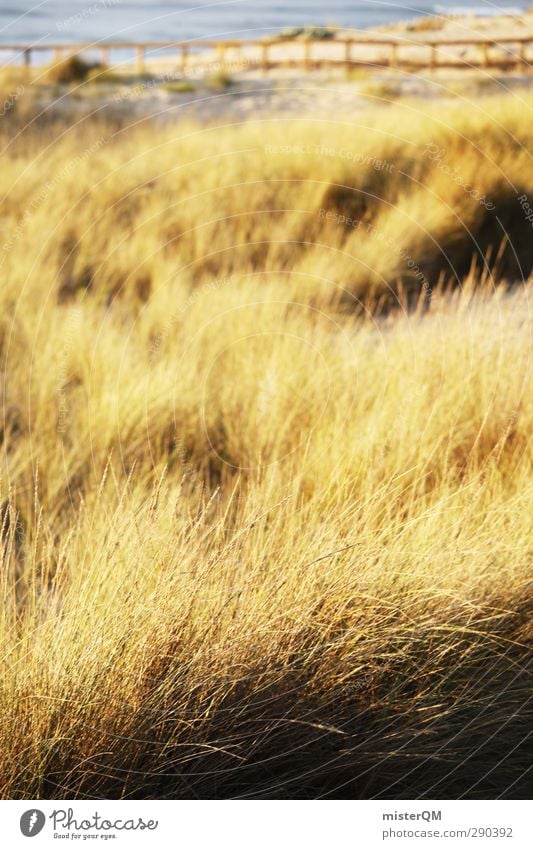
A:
x: 266, y: 489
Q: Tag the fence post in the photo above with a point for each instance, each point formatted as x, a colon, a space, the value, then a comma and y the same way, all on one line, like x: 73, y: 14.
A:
x: 433, y: 59
x: 27, y: 57
x: 264, y: 57
x: 139, y: 63
x: 522, y: 55
x: 184, y: 57
x: 348, y: 56
x: 307, y: 55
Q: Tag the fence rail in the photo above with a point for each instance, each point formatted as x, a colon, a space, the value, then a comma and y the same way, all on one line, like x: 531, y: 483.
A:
x: 309, y: 54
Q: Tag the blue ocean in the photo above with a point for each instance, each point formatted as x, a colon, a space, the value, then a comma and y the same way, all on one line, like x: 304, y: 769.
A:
x: 136, y: 20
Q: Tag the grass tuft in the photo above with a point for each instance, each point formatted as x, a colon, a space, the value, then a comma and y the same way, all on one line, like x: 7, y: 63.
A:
x: 219, y: 81
x: 179, y: 87
x: 72, y: 69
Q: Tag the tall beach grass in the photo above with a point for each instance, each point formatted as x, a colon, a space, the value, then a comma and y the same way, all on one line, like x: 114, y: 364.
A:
x: 266, y: 488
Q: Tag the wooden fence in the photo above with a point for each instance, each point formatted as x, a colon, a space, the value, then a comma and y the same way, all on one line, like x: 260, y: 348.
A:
x: 310, y: 54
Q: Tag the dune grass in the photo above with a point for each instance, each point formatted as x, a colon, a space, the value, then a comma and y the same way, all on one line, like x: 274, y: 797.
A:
x: 266, y: 488
x: 70, y: 69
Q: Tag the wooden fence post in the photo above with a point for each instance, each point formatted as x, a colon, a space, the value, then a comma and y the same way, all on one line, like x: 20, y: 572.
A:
x: 139, y: 62
x: 307, y: 55
x: 184, y: 57
x: 348, y: 56
x: 522, y: 55
x: 264, y: 57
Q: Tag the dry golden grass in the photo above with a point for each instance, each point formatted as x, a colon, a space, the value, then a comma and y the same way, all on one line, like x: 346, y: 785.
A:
x: 266, y: 532
x: 429, y: 24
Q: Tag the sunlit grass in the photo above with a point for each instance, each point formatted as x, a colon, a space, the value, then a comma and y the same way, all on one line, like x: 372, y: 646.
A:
x: 266, y: 489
